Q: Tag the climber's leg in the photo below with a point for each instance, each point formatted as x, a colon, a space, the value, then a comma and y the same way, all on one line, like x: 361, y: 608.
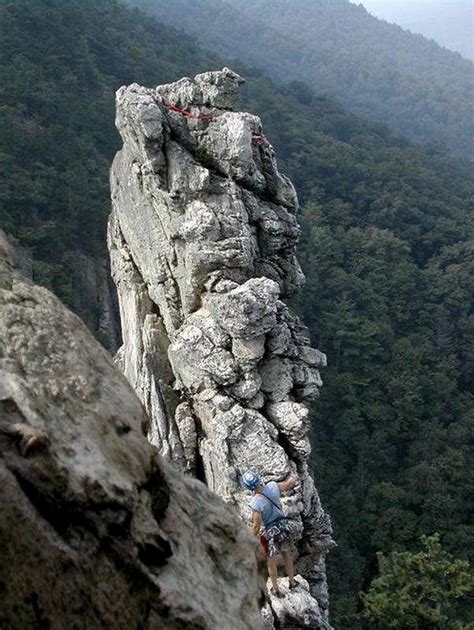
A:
x: 273, y: 571
x: 288, y: 562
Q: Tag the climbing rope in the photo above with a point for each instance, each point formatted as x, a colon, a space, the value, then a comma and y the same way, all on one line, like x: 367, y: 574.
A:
x: 187, y: 114
x: 257, y: 139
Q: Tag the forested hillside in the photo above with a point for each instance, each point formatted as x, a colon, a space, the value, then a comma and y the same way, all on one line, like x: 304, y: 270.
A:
x: 388, y: 251
x: 60, y: 65
x: 450, y: 23
x: 374, y: 68
x: 386, y: 244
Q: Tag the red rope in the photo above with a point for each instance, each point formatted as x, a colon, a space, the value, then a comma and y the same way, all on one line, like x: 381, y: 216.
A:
x: 257, y: 139
x: 187, y: 114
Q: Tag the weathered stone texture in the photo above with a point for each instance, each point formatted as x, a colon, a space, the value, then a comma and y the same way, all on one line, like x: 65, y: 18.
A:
x: 96, y: 530
x: 203, y: 240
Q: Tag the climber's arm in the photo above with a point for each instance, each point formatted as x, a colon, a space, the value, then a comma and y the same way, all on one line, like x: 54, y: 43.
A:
x: 256, y: 522
x: 289, y: 484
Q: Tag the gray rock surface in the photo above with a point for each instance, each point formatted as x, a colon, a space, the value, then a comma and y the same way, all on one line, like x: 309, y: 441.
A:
x: 96, y: 530
x: 203, y: 239
x: 297, y: 608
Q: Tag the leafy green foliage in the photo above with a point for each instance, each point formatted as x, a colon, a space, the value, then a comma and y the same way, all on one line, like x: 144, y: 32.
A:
x: 335, y: 46
x: 419, y: 591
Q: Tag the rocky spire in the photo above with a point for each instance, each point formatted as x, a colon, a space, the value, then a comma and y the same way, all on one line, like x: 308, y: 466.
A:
x: 202, y: 240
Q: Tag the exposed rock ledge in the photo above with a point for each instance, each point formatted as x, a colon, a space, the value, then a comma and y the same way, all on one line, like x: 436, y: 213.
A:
x: 202, y: 240
x: 95, y: 530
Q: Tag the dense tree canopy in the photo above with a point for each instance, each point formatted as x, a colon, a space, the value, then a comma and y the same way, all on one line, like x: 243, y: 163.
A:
x: 386, y: 244
x: 420, y: 591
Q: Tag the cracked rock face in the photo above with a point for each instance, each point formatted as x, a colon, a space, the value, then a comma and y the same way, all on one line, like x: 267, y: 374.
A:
x: 96, y: 530
x: 202, y: 240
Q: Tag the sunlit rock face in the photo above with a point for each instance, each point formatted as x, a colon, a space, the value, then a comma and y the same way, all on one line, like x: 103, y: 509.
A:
x: 202, y: 240
x: 96, y: 530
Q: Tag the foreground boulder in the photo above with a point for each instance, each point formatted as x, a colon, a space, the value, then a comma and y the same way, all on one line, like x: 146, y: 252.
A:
x: 96, y: 531
x: 202, y: 240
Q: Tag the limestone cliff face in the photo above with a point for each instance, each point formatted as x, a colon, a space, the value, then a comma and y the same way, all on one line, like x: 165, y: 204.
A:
x: 202, y: 240
x: 96, y: 531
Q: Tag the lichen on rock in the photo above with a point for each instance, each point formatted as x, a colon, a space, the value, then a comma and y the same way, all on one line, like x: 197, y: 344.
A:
x: 203, y: 239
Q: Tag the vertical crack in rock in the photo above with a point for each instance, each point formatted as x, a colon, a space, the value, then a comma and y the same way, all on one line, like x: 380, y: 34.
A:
x: 203, y: 238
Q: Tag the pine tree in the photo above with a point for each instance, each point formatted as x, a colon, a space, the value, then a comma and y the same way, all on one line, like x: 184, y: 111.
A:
x: 420, y: 591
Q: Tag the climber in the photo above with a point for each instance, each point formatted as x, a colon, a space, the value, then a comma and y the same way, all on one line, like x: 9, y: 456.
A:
x: 270, y: 525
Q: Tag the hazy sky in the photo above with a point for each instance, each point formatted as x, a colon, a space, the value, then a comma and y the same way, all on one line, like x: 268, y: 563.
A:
x: 449, y: 22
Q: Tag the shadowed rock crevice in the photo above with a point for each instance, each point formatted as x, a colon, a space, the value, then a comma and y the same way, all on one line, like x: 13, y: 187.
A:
x: 201, y: 209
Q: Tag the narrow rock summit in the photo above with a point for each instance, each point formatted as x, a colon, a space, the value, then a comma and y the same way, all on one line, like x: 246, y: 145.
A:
x: 202, y: 240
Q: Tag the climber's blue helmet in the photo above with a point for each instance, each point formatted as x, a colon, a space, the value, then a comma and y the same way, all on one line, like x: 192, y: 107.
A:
x: 251, y: 480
